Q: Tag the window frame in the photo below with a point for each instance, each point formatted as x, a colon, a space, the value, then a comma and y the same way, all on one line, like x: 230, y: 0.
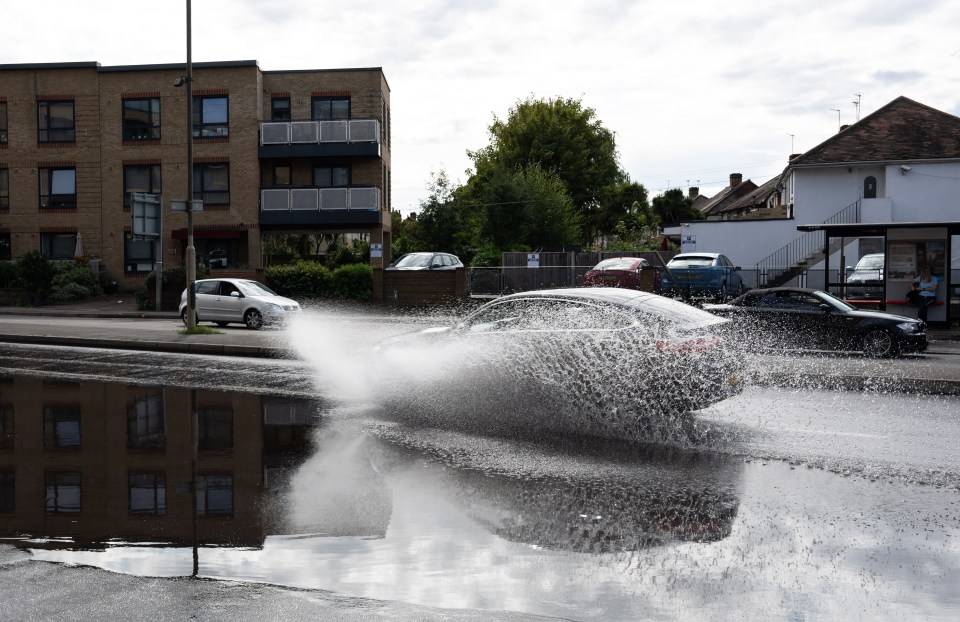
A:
x: 4, y: 124
x: 152, y: 124
x: 202, y: 127
x: 47, y: 245
x: 341, y: 169
x: 223, y: 482
x: 155, y: 174
x: 322, y: 108
x: 147, y: 422
x: 201, y: 179
x: 279, y: 114
x: 46, y: 182
x: 53, y: 479
x: 132, y: 260
x: 4, y: 188
x: 44, y: 119
x: 158, y: 485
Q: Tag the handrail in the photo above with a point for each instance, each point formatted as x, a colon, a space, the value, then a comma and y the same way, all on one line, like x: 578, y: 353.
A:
x: 792, y: 254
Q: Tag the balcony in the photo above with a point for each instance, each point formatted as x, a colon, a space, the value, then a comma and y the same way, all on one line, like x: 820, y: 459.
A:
x: 293, y: 139
x: 320, y: 206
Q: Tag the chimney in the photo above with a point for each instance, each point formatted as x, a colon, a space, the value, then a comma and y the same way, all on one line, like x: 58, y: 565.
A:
x: 735, y: 179
x: 694, y: 192
x: 843, y: 127
x: 794, y: 156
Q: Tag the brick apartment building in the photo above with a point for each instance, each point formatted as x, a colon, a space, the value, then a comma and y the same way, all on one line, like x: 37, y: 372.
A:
x: 274, y: 152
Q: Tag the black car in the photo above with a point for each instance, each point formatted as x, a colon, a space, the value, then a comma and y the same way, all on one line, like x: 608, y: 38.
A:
x: 795, y: 317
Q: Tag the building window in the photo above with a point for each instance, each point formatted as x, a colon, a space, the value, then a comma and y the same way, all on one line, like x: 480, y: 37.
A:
x: 870, y: 187
x: 280, y: 109
x: 148, y: 493
x: 55, y: 122
x: 215, y: 495
x: 331, y: 176
x: 211, y: 183
x: 5, y: 254
x: 4, y: 188
x: 58, y: 245
x: 138, y: 254
x: 6, y: 426
x: 61, y: 427
x: 3, y: 122
x: 63, y: 492
x: 141, y: 119
x: 146, y: 428
x: 58, y: 187
x: 211, y: 116
x: 140, y: 178
x: 330, y: 108
x: 8, y: 491
x: 214, y: 428
x: 282, y: 175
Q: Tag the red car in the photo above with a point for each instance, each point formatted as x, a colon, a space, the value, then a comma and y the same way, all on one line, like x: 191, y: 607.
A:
x: 617, y: 272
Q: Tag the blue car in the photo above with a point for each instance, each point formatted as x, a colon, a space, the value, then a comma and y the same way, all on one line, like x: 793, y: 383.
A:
x: 702, y: 275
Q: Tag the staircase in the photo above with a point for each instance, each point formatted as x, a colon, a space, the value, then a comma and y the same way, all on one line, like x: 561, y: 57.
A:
x: 793, y: 259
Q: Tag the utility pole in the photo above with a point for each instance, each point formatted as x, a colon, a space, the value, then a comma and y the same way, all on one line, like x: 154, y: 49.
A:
x: 191, y: 258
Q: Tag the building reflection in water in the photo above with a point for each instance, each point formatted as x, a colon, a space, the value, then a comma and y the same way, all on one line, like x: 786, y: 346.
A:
x: 86, y: 463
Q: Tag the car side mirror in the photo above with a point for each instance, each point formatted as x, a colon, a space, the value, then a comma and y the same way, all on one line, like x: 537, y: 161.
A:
x: 736, y: 267
x: 825, y: 307
x: 235, y: 294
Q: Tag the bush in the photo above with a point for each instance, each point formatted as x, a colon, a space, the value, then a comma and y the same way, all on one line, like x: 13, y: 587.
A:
x: 68, y: 292
x: 35, y: 272
x: 353, y: 282
x: 302, y: 280
x: 8, y: 274
x: 65, y: 273
x: 174, y: 278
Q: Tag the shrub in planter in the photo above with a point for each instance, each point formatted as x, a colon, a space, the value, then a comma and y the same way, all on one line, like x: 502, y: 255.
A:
x: 79, y: 274
x: 353, y: 282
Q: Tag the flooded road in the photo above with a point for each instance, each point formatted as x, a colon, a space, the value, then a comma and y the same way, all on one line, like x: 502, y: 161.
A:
x: 783, y: 504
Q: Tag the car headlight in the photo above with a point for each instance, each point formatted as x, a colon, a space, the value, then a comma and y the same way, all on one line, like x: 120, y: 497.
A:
x: 909, y: 327
x: 272, y: 308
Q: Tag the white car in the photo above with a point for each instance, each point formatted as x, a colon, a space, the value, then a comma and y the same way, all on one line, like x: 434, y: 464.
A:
x: 223, y: 301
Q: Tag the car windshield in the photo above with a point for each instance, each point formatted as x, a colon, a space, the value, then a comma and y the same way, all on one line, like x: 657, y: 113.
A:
x: 253, y: 288
x: 414, y: 261
x: 691, y: 261
x: 871, y: 262
x: 618, y: 263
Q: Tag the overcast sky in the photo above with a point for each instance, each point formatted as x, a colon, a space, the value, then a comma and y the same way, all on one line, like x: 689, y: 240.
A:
x: 694, y: 90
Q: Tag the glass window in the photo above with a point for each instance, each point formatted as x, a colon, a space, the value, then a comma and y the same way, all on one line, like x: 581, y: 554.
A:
x: 211, y: 116
x: 63, y: 492
x: 330, y: 108
x: 282, y: 175
x: 148, y: 493
x: 3, y: 122
x: 5, y: 254
x: 55, y: 122
x: 207, y: 287
x: 138, y: 255
x: 140, y: 178
x: 4, y: 188
x: 215, y: 428
x: 141, y: 119
x: 6, y: 426
x: 280, y: 109
x: 331, y: 176
x: 58, y: 245
x: 146, y: 427
x: 211, y: 183
x: 58, y: 187
x: 215, y: 495
x: 8, y: 491
x: 61, y: 427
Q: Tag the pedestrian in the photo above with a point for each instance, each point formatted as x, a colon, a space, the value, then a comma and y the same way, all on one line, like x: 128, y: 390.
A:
x: 923, y: 291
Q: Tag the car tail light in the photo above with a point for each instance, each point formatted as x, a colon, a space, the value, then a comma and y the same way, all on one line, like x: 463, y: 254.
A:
x: 700, y: 344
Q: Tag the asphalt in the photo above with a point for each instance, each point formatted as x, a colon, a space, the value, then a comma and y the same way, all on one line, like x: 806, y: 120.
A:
x: 935, y: 372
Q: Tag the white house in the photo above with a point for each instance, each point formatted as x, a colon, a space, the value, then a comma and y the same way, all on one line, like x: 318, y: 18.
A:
x: 900, y: 164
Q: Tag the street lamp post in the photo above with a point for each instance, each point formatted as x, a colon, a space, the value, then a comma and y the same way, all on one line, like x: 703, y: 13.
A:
x: 191, y: 255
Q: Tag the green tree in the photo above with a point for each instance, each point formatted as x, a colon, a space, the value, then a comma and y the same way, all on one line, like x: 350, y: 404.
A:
x: 673, y: 207
x: 637, y: 230
x: 442, y: 224
x: 562, y: 137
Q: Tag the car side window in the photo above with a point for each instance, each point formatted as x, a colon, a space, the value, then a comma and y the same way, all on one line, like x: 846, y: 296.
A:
x: 207, y: 287
x: 227, y: 288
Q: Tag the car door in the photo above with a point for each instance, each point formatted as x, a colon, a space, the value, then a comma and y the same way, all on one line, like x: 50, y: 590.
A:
x: 229, y: 303
x: 205, y: 305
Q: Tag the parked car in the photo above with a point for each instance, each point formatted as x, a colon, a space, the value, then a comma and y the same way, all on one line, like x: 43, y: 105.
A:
x: 426, y: 261
x: 218, y: 259
x: 702, y: 275
x: 617, y: 272
x: 225, y: 301
x: 794, y: 317
x: 865, y: 281
x: 597, y: 361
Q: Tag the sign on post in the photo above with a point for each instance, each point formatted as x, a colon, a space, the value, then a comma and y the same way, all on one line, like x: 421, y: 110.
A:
x: 376, y: 251
x: 145, y: 209
x: 533, y: 260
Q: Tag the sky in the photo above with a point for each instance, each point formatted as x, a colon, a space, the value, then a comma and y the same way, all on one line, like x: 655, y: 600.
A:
x: 693, y: 90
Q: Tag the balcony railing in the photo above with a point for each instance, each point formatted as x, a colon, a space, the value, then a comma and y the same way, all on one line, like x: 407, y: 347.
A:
x: 319, y: 199
x: 312, y: 132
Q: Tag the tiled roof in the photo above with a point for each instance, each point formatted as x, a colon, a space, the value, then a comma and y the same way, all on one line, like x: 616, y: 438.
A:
x: 901, y: 130
x: 726, y: 196
x: 755, y: 198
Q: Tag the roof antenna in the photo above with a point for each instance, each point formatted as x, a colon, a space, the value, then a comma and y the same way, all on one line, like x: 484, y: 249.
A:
x: 856, y: 105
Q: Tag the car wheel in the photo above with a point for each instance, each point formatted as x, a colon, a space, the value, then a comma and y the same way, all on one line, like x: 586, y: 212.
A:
x: 879, y: 343
x: 253, y: 319
x: 183, y: 317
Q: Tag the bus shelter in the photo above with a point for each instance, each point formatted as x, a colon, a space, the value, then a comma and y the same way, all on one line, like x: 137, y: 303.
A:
x: 906, y: 247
